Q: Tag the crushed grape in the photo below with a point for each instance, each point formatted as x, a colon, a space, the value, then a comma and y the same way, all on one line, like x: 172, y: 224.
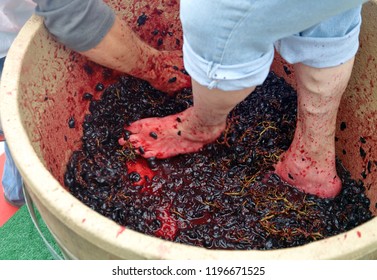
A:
x: 224, y: 197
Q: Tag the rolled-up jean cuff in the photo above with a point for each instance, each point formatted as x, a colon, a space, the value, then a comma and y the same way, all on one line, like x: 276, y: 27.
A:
x: 319, y: 52
x: 227, y: 77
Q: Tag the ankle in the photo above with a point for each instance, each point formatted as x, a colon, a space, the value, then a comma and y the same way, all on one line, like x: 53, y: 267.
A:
x: 200, y: 129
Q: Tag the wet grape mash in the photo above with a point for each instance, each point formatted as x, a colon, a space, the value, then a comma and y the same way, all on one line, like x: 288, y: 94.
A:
x: 224, y: 197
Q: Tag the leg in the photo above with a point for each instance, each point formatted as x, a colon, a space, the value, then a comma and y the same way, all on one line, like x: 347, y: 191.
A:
x: 324, y: 56
x: 232, y: 51
x: 220, y: 78
x: 12, y: 181
x: 11, y: 178
x: 190, y: 130
x: 309, y: 164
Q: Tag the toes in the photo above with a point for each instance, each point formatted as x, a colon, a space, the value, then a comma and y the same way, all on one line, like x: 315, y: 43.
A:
x: 135, y: 140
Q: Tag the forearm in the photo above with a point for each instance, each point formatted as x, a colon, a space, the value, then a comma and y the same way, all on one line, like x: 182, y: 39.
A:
x: 91, y: 28
x: 123, y: 50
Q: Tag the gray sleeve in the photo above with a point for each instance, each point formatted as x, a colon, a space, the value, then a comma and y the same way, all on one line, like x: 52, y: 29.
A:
x: 78, y: 24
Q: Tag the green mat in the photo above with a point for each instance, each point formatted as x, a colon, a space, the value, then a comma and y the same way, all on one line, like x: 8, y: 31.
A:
x: 20, y: 240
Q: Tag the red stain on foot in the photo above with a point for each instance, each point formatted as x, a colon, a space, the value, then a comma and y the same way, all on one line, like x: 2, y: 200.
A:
x: 359, y: 234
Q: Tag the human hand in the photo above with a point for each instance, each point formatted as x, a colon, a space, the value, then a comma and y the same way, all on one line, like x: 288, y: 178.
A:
x: 167, y: 72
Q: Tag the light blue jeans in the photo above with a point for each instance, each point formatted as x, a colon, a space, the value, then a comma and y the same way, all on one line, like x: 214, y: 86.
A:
x: 230, y: 44
x: 11, y: 180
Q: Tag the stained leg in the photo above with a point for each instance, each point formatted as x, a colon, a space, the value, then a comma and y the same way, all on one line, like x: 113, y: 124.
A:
x: 309, y: 163
x: 189, y: 130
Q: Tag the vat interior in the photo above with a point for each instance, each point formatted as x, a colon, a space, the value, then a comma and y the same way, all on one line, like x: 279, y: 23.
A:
x: 54, y: 80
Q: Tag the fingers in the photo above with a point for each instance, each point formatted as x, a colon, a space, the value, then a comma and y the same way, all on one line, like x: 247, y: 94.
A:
x: 172, y: 76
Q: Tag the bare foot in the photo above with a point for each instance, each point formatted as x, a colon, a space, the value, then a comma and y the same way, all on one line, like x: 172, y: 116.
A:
x: 165, y: 72
x: 309, y: 172
x: 172, y: 135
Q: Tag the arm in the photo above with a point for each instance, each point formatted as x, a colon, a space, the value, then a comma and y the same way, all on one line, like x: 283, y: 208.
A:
x: 92, y: 28
x: 78, y: 24
x: 123, y: 50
